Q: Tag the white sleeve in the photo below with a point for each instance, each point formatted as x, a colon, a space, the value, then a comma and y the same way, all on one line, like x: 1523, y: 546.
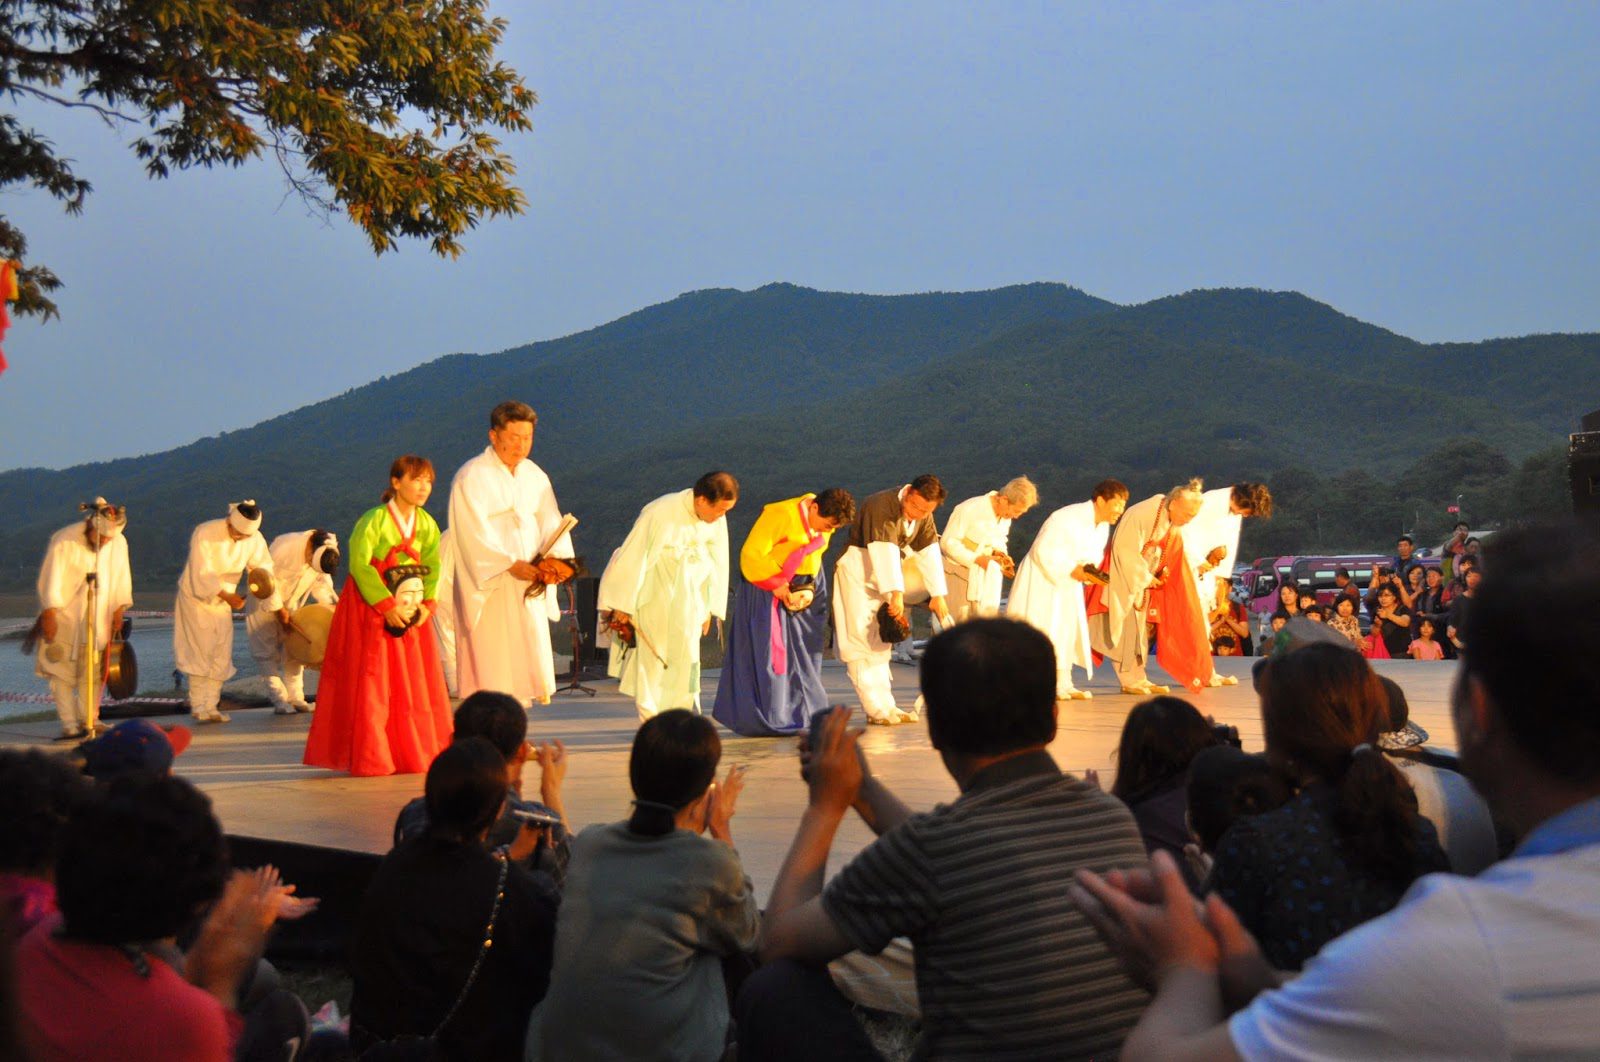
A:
x: 625, y: 574
x: 56, y: 587
x: 953, y: 540
x: 931, y: 566
x: 261, y: 557
x: 478, y: 547
x: 883, y: 567
x: 718, y: 588
x: 1416, y: 983
x: 200, y: 580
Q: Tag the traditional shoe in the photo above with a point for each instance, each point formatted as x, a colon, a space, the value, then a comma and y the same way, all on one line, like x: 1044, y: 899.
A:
x: 883, y: 720
x: 1230, y: 680
x: 213, y: 717
x: 1082, y: 695
x: 283, y: 709
x: 1141, y: 689
x: 910, y: 717
x: 72, y: 735
x: 303, y: 707
x: 1156, y: 687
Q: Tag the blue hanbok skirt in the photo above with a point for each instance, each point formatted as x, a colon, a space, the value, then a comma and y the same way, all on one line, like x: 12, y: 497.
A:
x: 753, y: 699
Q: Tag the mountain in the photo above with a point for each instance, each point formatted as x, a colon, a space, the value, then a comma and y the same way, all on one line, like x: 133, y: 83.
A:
x: 796, y: 389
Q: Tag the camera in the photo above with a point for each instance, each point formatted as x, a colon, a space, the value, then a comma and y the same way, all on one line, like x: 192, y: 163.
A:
x: 1227, y: 735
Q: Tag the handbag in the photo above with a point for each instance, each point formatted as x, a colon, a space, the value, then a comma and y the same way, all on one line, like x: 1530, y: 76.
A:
x: 410, y: 1046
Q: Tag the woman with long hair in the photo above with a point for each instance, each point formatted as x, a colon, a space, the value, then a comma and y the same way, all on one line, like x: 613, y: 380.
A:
x: 382, y: 705
x: 651, y: 910
x: 1350, y: 843
x: 1160, y: 738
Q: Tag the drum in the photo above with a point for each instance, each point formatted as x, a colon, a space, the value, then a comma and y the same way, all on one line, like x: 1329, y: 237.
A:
x: 306, y: 641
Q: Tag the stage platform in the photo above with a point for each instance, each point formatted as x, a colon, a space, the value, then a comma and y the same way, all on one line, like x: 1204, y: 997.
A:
x: 251, y: 767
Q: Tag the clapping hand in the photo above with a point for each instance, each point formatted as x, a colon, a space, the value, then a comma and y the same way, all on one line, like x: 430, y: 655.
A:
x: 833, y: 765
x: 724, y: 800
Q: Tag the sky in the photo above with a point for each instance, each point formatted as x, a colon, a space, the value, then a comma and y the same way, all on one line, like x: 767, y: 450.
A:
x: 1428, y: 167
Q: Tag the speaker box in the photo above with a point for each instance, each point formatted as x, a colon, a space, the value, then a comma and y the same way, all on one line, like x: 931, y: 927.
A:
x: 1583, y: 472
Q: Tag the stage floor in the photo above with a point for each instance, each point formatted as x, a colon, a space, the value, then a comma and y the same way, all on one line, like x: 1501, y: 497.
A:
x: 251, y: 767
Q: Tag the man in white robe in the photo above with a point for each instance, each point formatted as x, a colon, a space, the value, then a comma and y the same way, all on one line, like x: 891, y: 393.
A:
x: 891, y: 527
x: 1137, y: 555
x: 974, y: 547
x: 303, y: 564
x: 1212, y: 537
x: 502, y: 509
x: 670, y: 579
x: 1050, y: 584
x: 93, y: 546
x: 220, y: 553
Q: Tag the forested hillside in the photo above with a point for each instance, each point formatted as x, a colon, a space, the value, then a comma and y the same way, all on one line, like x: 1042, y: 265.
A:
x: 795, y: 389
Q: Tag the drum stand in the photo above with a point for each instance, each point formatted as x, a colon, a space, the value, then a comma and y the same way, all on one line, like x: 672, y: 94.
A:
x: 575, y: 685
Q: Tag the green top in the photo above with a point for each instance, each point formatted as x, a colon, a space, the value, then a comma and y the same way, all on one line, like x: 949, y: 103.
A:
x: 374, y: 536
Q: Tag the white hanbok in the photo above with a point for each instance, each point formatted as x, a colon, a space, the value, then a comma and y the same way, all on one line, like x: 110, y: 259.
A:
x: 1046, y: 595
x: 499, y: 517
x: 298, y: 583
x: 202, y: 632
x: 1214, y: 525
x: 974, y: 531
x: 444, y: 611
x: 63, y: 586
x: 872, y: 568
x: 670, y: 574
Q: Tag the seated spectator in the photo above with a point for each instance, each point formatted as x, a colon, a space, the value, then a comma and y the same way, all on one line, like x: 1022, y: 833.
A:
x: 422, y: 960
x: 1345, y: 620
x: 502, y: 722
x: 652, y: 909
x: 38, y: 794
x: 1308, y: 599
x: 1315, y: 613
x: 1279, y: 621
x: 1225, y: 784
x: 1391, y: 626
x: 1502, y: 965
x: 1461, y: 604
x: 1230, y: 625
x: 1288, y: 600
x: 1458, y: 584
x: 1160, y: 738
x: 133, y: 746
x: 1459, y: 816
x: 1346, y: 587
x: 1006, y: 966
x: 1423, y: 647
x: 139, y: 862
x: 1349, y: 844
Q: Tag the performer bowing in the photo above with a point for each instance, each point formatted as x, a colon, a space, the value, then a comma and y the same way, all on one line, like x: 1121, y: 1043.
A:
x: 771, y: 680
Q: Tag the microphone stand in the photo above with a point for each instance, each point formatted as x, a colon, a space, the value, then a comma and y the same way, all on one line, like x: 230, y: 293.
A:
x: 575, y: 685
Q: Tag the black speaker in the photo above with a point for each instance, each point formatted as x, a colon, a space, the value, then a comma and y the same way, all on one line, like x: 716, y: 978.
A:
x: 588, y: 591
x: 1583, y: 472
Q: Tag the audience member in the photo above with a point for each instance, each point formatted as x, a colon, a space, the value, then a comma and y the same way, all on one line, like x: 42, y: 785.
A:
x: 423, y: 963
x: 1454, y: 547
x: 1344, y: 586
x: 652, y: 910
x: 1423, y: 647
x: 1345, y: 620
x: 502, y: 722
x: 1308, y: 598
x: 1461, y: 605
x: 1391, y: 625
x: 1315, y: 613
x: 38, y: 794
x: 1404, y: 557
x: 1006, y: 965
x: 133, y: 747
x: 1444, y: 797
x: 139, y: 862
x: 1225, y: 784
x: 1347, y: 846
x: 1160, y: 738
x: 1288, y: 599
x: 1498, y: 966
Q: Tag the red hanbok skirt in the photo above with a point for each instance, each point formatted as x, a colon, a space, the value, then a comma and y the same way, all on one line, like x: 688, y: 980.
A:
x: 382, y: 705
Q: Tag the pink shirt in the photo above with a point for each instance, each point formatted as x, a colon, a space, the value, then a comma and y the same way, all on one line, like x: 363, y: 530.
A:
x: 1421, y: 650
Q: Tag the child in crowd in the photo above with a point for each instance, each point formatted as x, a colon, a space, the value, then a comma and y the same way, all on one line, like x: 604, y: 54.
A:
x: 1424, y: 647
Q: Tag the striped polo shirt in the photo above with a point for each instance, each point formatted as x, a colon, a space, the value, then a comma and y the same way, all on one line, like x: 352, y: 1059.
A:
x: 1007, y: 966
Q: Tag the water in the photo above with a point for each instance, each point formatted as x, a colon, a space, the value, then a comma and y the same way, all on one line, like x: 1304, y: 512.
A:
x: 152, y: 643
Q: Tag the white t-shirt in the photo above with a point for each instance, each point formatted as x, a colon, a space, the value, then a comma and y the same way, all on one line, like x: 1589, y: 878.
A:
x: 1505, y: 964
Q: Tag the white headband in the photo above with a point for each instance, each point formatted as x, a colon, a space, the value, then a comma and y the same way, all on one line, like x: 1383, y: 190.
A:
x: 331, y: 543
x: 241, y: 523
